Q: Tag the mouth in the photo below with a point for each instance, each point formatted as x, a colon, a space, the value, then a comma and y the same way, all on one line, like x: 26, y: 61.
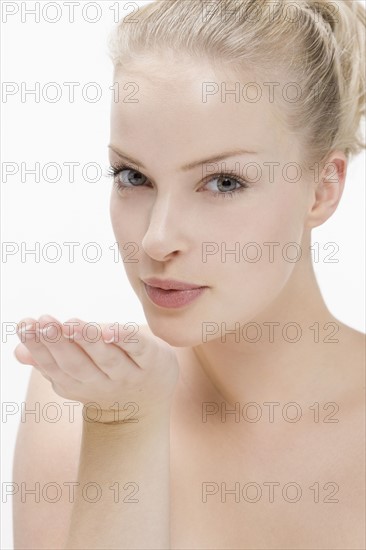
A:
x: 171, y: 284
x: 172, y: 297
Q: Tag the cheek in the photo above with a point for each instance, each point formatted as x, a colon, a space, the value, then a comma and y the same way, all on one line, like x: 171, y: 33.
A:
x: 126, y: 220
x: 114, y: 210
x: 266, y: 237
x: 275, y: 216
x: 244, y: 289
x: 128, y: 231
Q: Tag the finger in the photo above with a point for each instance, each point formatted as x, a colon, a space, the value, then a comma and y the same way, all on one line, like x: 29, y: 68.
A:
x: 137, y: 341
x: 69, y: 356
x: 44, y: 360
x: 112, y: 360
x: 23, y: 355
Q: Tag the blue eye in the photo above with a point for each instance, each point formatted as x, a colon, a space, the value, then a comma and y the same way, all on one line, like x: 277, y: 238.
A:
x: 224, y: 181
x: 136, y: 179
x: 116, y: 171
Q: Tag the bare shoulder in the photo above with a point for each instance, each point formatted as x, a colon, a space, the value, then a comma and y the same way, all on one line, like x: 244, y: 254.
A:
x: 348, y: 334
x: 350, y: 359
x: 351, y: 353
x: 352, y: 426
x: 353, y: 337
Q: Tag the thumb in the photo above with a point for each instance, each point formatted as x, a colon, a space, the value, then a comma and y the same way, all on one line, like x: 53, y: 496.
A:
x: 137, y: 341
x: 24, y: 356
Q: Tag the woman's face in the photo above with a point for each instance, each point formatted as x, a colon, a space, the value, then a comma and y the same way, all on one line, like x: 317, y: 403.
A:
x: 179, y: 228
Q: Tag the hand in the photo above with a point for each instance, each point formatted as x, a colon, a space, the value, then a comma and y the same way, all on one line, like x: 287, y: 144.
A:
x: 137, y: 368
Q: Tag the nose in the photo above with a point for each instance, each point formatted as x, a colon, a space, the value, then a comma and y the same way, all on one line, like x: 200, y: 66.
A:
x: 164, y: 237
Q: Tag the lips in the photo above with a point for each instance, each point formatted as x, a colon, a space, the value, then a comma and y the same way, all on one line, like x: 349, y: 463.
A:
x: 172, y: 298
x: 171, y: 284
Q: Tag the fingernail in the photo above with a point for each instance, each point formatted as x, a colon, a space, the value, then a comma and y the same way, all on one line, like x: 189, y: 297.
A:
x: 50, y: 332
x: 109, y: 341
x: 23, y: 329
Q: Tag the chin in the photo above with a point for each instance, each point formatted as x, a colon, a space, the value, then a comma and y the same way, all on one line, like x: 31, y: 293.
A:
x: 176, y: 334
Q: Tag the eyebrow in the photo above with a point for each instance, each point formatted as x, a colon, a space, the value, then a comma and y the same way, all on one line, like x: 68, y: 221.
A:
x: 191, y: 165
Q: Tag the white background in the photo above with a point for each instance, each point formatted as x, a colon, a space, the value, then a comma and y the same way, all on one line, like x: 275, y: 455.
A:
x: 79, y: 212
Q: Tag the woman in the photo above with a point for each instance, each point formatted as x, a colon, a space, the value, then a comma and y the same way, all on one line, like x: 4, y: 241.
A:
x: 235, y: 417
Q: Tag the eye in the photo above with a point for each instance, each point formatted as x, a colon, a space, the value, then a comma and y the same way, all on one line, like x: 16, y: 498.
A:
x: 229, y: 183
x: 135, y: 178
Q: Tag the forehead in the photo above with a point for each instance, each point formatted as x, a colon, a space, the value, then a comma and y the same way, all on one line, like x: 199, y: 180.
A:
x: 182, y: 107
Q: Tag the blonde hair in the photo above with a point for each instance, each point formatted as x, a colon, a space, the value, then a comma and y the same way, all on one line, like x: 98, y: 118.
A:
x: 318, y: 45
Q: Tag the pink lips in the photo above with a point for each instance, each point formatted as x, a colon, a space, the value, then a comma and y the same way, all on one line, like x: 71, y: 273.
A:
x: 170, y: 293
x: 170, y: 284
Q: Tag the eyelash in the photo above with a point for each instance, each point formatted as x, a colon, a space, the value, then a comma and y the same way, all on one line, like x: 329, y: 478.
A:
x: 115, y: 170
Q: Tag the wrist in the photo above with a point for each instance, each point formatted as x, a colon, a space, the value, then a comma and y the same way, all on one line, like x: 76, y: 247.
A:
x: 133, y: 418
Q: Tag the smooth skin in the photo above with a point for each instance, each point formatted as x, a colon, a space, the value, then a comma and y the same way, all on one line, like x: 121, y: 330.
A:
x: 116, y: 451
x: 82, y: 364
x: 169, y: 217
